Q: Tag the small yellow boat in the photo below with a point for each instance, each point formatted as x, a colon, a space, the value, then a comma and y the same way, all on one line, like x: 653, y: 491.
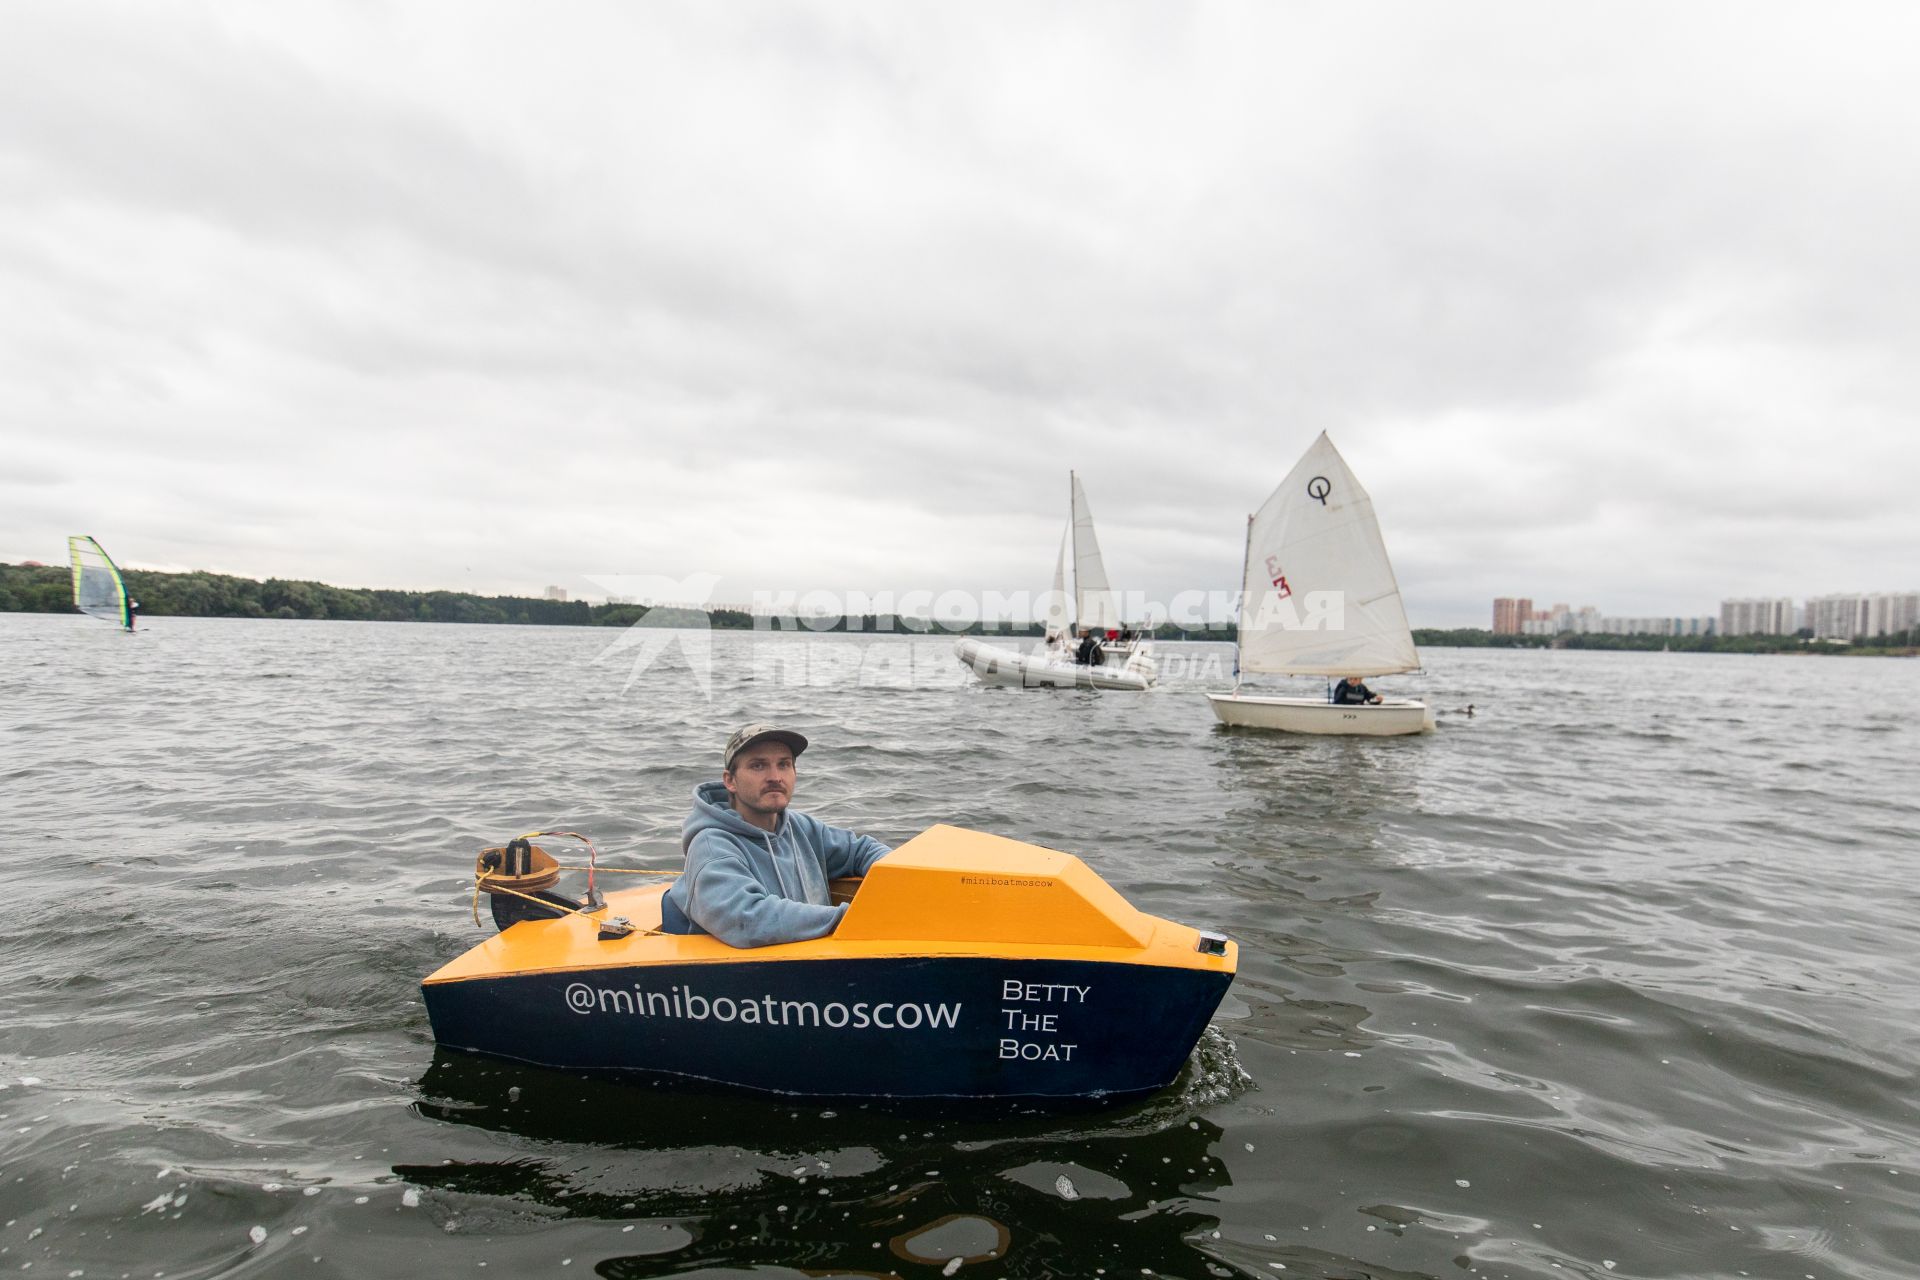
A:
x: 967, y: 965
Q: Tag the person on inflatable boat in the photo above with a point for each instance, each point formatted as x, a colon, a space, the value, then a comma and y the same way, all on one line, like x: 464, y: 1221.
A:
x: 757, y: 870
x: 1089, y: 654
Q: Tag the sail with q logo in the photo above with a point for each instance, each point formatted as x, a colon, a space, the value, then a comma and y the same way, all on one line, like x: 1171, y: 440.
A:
x: 1334, y: 612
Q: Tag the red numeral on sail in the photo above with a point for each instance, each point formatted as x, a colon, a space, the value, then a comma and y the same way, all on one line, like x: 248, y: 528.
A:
x: 1279, y: 578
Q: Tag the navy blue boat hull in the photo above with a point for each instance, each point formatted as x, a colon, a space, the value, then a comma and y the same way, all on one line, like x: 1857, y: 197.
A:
x: 961, y: 1027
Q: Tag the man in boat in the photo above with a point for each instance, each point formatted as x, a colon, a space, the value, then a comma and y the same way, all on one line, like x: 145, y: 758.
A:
x: 1351, y: 692
x: 757, y: 871
x: 1089, y: 653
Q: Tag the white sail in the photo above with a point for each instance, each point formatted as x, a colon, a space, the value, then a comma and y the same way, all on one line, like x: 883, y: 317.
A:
x: 1319, y: 593
x: 1056, y: 614
x: 1093, y: 600
x: 97, y: 589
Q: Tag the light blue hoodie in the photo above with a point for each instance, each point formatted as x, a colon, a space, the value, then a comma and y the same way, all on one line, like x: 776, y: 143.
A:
x: 753, y: 888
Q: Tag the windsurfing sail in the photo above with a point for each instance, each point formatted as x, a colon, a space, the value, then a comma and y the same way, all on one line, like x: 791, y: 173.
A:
x: 1093, y: 599
x: 97, y: 589
x: 1319, y: 596
x: 1056, y: 616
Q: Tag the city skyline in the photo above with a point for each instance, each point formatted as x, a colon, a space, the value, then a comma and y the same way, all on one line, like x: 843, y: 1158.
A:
x: 1834, y: 616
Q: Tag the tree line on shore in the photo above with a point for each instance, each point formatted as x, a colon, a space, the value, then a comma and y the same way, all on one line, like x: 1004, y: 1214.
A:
x: 48, y: 589
x: 34, y: 588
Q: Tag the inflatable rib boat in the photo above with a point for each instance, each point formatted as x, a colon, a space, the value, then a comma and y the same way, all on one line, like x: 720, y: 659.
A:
x: 1131, y: 670
x: 967, y: 966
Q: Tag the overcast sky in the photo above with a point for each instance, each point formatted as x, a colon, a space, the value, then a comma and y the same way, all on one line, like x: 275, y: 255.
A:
x: 1612, y: 304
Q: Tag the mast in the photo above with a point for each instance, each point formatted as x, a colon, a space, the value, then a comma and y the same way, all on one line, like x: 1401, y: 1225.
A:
x: 1246, y: 558
x: 1073, y: 535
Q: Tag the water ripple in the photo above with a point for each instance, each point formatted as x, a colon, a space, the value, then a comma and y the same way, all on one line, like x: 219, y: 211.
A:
x: 1619, y: 976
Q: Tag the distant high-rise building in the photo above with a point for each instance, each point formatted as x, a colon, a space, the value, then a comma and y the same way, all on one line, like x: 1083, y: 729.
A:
x: 1894, y: 611
x: 1760, y: 617
x: 1518, y: 617
x: 1837, y: 617
x: 1843, y: 617
x: 556, y: 593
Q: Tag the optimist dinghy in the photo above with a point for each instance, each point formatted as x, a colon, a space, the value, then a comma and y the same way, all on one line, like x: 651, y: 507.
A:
x: 1318, y: 598
x: 967, y: 966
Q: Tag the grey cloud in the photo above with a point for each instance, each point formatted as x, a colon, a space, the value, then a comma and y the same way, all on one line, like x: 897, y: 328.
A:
x: 1613, y: 307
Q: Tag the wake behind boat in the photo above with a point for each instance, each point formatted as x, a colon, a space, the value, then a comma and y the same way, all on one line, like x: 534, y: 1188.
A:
x: 1318, y: 598
x: 1108, y: 655
x: 966, y: 966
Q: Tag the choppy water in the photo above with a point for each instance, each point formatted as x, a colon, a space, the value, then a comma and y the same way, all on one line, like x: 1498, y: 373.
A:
x: 1618, y: 977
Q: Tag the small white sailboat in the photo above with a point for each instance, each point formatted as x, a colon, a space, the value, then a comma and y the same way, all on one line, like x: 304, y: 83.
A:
x: 1318, y: 598
x: 98, y: 590
x: 1126, y: 663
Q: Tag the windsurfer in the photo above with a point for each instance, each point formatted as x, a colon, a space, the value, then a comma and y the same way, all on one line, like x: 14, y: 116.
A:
x: 757, y: 871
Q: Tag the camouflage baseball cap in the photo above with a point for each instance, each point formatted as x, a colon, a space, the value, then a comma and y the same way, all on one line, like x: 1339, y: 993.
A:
x: 748, y: 735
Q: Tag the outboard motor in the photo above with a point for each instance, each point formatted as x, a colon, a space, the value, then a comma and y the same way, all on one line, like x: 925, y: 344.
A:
x: 518, y: 879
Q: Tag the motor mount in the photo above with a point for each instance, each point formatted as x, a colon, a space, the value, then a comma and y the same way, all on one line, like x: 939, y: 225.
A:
x: 517, y: 868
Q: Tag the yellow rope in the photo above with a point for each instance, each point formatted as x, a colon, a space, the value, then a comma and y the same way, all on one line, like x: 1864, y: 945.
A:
x: 481, y: 878
x: 479, y: 881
